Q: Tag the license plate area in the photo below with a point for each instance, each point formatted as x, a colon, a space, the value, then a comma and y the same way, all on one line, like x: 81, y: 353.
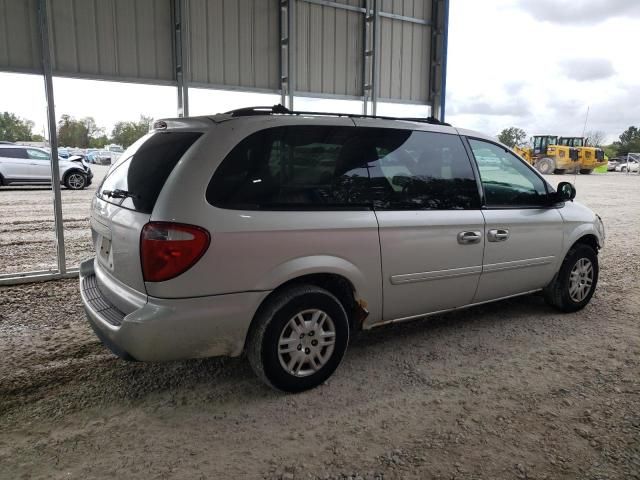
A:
x: 102, y: 242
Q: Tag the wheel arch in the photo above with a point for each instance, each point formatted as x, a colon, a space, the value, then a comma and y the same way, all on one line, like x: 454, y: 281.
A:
x: 589, y: 239
x: 71, y: 170
x: 335, y: 283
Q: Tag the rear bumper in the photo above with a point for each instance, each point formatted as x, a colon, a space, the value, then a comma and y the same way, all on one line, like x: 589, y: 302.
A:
x: 167, y: 329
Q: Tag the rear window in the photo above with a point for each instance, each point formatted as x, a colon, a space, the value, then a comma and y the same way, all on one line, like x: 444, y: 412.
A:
x: 136, y: 180
x: 13, y: 153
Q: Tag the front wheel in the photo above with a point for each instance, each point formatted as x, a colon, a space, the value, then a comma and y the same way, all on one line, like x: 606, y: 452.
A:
x: 575, y: 283
x: 559, y: 171
x: 586, y: 171
x: 75, y: 181
x: 298, y: 338
x: 545, y: 165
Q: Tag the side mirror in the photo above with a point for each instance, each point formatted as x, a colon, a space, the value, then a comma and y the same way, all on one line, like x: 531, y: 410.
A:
x: 565, y: 191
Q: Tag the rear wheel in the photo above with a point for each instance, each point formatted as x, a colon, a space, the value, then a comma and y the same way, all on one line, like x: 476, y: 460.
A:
x: 623, y: 169
x: 575, y: 283
x: 586, y: 171
x: 559, y: 171
x: 545, y: 165
x: 75, y: 181
x: 298, y: 339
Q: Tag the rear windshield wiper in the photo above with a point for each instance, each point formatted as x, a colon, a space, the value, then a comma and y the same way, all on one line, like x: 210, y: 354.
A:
x: 118, y: 193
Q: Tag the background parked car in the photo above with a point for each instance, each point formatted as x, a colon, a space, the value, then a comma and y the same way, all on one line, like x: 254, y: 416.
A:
x: 29, y: 165
x: 630, y: 165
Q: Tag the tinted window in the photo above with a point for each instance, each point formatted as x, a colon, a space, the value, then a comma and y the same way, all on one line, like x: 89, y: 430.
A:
x: 421, y: 170
x: 13, y: 153
x: 507, y: 180
x: 297, y: 167
x: 144, y: 168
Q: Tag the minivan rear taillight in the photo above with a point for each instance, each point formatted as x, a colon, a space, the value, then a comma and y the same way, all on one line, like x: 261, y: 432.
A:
x: 169, y: 249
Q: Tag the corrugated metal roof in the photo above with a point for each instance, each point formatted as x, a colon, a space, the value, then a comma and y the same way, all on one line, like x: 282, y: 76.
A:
x: 19, y: 39
x: 227, y: 43
x: 234, y: 43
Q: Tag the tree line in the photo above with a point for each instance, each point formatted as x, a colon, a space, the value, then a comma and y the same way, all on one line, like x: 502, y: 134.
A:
x: 628, y: 141
x: 72, y: 132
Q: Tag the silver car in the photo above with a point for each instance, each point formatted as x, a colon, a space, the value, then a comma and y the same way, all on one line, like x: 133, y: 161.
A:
x: 281, y: 234
x: 22, y: 165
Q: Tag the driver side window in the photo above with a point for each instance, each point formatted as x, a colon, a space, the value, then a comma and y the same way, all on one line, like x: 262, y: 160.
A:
x: 37, y: 155
x: 506, y: 180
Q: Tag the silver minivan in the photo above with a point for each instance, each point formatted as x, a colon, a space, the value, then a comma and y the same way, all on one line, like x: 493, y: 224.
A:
x: 280, y: 234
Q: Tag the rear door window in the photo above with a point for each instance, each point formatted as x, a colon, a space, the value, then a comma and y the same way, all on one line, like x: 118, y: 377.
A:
x: 13, y: 153
x: 290, y: 168
x: 136, y: 180
x: 416, y: 170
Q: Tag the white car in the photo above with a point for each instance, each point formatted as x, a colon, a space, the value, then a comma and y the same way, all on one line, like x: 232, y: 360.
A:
x: 22, y: 165
x: 630, y: 165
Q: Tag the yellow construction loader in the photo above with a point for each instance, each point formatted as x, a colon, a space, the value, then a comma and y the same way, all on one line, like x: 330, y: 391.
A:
x: 589, y: 158
x: 548, y: 156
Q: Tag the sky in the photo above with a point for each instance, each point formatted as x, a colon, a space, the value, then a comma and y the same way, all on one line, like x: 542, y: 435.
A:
x: 534, y: 64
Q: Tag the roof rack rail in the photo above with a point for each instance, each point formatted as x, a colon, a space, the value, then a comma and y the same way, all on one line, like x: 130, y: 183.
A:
x: 282, y: 110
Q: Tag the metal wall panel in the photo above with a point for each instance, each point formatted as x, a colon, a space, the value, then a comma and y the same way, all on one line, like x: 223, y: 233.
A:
x: 328, y: 49
x: 234, y: 43
x: 129, y: 39
x: 405, y: 51
x: 19, y: 40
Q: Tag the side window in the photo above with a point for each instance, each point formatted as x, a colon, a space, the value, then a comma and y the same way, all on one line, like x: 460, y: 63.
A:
x: 296, y: 167
x: 416, y: 170
x: 506, y: 180
x: 13, y: 153
x: 37, y: 154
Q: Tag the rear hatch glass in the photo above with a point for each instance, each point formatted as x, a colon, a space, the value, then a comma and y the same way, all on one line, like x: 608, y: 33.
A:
x: 137, y: 178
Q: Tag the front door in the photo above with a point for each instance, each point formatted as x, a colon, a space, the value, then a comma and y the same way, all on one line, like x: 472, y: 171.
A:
x: 39, y: 165
x: 426, y: 202
x: 524, y: 237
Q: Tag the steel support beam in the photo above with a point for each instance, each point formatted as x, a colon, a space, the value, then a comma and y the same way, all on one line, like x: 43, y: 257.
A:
x: 369, y: 52
x: 438, y: 57
x: 291, y: 66
x: 375, y: 77
x: 287, y: 52
x: 43, y: 27
x: 179, y: 24
x: 443, y: 61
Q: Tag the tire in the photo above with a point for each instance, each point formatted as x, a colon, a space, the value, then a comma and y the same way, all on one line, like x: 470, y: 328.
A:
x: 623, y: 169
x: 545, y: 166
x: 75, y: 181
x: 274, y: 327
x: 586, y: 171
x: 559, y: 171
x: 559, y: 292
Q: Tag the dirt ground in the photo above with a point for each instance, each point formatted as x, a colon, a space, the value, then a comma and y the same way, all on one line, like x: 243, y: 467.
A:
x: 508, y: 390
x: 27, y: 229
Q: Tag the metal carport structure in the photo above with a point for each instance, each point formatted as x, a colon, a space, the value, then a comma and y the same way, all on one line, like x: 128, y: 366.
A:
x: 370, y: 51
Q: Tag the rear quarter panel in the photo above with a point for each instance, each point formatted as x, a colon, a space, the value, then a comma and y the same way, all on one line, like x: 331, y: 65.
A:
x: 260, y: 250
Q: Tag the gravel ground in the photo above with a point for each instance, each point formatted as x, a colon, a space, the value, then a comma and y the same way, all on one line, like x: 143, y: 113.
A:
x: 27, y: 230
x: 508, y: 390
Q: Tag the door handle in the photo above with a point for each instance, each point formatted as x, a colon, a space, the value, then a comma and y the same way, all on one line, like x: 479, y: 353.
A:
x: 465, y: 238
x: 498, y: 235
